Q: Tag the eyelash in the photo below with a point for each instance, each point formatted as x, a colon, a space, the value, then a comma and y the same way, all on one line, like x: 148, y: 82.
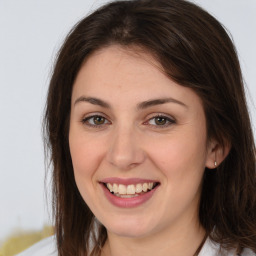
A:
x: 86, y: 120
x: 168, y: 121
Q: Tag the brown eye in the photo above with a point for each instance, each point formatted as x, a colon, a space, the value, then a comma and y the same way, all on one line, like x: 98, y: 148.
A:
x: 160, y: 120
x: 98, y: 120
x: 95, y: 121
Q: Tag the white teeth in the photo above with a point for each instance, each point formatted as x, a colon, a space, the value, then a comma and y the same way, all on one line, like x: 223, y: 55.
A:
x: 138, y: 188
x: 145, y: 187
x: 115, y: 188
x: 122, y: 189
x: 109, y: 186
x: 131, y: 189
x: 126, y: 196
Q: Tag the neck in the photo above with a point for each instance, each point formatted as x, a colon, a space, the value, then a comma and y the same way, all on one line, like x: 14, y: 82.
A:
x: 176, y: 242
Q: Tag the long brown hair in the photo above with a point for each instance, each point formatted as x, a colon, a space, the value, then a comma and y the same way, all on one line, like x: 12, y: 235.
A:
x: 195, y: 51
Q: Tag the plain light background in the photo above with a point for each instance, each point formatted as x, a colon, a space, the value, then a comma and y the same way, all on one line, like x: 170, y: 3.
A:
x: 31, y: 32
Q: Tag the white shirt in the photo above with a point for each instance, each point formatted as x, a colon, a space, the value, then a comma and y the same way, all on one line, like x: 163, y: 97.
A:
x: 47, y: 247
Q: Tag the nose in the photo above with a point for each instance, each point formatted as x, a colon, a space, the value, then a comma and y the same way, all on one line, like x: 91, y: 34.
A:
x: 125, y: 151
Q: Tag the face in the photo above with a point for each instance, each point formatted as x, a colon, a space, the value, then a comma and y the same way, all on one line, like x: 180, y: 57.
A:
x: 138, y: 144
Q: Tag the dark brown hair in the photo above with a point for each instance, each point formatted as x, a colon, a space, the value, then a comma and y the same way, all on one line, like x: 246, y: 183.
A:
x: 195, y: 51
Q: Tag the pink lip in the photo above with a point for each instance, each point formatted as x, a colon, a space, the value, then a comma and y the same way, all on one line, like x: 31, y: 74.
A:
x: 123, y: 181
x: 127, y: 202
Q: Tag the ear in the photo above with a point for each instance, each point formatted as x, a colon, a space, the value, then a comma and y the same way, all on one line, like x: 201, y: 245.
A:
x: 216, y: 153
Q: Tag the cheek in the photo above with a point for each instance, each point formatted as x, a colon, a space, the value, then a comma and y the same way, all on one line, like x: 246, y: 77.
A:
x: 86, y: 157
x: 182, y: 162
x: 83, y: 159
x: 181, y: 158
x: 85, y: 153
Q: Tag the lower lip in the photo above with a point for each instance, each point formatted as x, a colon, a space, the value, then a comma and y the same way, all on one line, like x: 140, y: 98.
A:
x: 128, y: 202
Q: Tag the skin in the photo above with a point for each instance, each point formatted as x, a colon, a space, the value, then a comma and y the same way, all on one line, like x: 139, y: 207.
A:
x: 131, y: 144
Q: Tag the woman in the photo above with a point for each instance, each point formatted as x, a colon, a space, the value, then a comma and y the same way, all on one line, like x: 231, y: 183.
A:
x: 150, y: 137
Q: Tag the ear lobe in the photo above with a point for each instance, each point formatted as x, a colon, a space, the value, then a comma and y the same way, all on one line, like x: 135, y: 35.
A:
x: 216, y: 154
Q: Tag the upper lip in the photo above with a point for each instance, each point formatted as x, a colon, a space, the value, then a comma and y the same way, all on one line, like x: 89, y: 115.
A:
x: 127, y: 181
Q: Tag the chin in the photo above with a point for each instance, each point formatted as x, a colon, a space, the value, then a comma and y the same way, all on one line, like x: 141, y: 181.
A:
x: 129, y: 228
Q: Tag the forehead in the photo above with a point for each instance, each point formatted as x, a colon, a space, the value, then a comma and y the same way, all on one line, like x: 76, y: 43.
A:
x: 116, y: 72
x: 116, y: 60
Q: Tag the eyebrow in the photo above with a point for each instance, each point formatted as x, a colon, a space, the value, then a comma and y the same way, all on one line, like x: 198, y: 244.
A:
x: 142, y: 105
x: 94, y: 101
x: 154, y: 102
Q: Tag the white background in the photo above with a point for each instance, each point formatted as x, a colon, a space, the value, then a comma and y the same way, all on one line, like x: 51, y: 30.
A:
x: 31, y: 32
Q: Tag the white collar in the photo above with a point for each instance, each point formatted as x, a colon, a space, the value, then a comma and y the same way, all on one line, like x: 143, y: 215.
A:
x: 213, y: 249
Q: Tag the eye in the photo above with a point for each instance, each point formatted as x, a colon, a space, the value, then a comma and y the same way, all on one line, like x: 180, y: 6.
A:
x: 161, y: 121
x: 95, y: 120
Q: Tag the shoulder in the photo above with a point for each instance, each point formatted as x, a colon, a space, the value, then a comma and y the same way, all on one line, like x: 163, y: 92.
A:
x: 248, y: 252
x: 46, y: 247
x: 212, y: 249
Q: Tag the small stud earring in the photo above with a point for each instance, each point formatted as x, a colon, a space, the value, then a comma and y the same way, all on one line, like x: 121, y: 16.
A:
x: 215, y: 161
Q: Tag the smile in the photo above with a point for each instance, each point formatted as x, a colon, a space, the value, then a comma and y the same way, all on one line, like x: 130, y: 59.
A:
x: 128, y: 193
x: 132, y: 190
